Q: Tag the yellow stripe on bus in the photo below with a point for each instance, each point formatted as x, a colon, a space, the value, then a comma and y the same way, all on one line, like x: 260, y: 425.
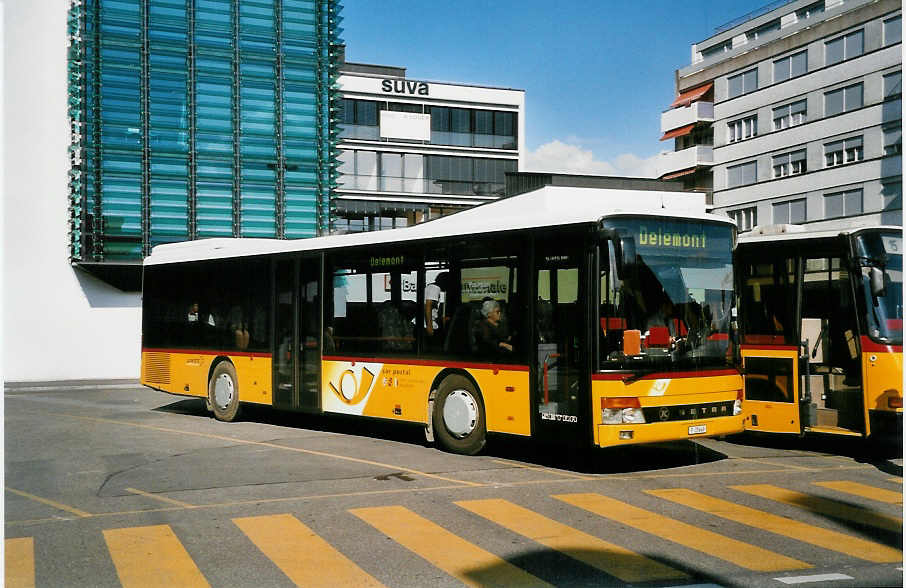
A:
x: 612, y: 559
x: 306, y: 558
x: 824, y: 506
x: 151, y: 556
x: 722, y: 547
x: 463, y: 560
x: 863, y: 490
x: 832, y: 540
x: 19, y: 570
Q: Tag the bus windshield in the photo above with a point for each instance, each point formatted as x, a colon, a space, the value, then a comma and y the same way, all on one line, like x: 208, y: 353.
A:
x: 881, y: 254
x: 666, y: 293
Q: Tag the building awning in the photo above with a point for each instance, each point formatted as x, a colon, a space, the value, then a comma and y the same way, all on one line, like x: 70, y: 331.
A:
x: 690, y: 96
x: 679, y: 174
x: 678, y: 132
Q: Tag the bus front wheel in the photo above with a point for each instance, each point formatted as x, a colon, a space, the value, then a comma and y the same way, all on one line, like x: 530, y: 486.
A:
x: 223, y: 392
x: 458, y: 419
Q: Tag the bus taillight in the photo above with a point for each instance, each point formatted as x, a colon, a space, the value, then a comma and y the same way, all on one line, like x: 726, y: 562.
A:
x: 894, y: 400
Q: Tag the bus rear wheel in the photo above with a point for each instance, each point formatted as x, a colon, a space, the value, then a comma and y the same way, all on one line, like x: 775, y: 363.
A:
x: 223, y: 392
x: 458, y: 419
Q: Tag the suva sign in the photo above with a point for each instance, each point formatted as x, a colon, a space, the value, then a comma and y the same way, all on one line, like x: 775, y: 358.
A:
x: 405, y: 87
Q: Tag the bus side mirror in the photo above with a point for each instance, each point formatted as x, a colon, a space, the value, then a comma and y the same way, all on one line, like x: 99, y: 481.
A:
x: 876, y: 280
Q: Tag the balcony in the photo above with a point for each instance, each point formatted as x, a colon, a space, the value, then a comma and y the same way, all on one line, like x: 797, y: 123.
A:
x: 674, y: 161
x: 687, y: 115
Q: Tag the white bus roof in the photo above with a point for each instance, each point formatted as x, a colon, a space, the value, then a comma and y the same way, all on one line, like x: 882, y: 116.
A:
x: 775, y: 233
x: 546, y: 207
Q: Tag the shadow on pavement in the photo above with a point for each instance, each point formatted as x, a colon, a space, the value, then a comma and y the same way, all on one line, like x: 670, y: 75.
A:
x: 586, y: 460
x: 878, y: 453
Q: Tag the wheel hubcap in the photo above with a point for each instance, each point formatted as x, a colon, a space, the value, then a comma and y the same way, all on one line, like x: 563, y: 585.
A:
x: 460, y: 413
x: 223, y: 391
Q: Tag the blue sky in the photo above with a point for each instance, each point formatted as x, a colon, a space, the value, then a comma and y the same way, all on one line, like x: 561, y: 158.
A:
x: 597, y: 74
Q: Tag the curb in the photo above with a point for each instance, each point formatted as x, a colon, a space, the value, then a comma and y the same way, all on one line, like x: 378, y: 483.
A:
x: 70, y: 385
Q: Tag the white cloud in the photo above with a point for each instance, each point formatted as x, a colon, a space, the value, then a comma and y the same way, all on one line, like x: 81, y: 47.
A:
x: 559, y: 157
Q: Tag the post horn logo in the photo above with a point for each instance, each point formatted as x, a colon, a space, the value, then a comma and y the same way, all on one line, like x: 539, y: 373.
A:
x: 349, y: 391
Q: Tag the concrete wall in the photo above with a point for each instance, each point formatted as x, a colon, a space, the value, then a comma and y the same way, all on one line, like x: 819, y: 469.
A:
x: 58, y: 322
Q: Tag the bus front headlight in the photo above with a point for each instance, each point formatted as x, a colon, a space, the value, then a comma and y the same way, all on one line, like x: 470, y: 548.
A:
x: 615, y: 411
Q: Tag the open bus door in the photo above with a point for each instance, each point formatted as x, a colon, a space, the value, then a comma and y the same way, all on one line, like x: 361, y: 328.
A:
x: 800, y: 341
x: 774, y: 400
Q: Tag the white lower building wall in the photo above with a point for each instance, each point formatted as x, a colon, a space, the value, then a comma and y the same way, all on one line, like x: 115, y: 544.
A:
x: 58, y: 322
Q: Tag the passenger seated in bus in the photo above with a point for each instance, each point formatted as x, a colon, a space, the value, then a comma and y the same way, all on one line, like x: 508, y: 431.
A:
x: 192, y: 315
x: 434, y: 311
x: 396, y: 334
x: 239, y: 327
x: 492, y: 336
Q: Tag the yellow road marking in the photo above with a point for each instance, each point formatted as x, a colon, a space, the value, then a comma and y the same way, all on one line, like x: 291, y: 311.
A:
x: 895, y: 480
x: 52, y: 503
x: 722, y: 547
x: 832, y: 540
x: 151, y: 556
x: 161, y: 498
x: 463, y: 560
x: 20, y: 563
x: 306, y: 558
x: 545, y: 470
x: 395, y: 468
x: 824, y: 506
x: 612, y: 559
x: 863, y: 490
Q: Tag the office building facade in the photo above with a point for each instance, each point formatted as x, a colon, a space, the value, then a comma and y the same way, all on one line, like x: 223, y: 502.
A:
x: 412, y: 150
x: 792, y: 114
x: 131, y: 123
x: 199, y: 118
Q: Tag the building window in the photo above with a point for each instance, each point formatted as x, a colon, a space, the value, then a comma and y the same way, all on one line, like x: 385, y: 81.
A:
x: 843, y: 100
x: 468, y: 176
x: 473, y: 128
x: 763, y: 30
x: 845, y: 151
x: 893, y: 85
x: 791, y: 66
x: 359, y: 120
x: 744, y: 128
x: 893, y: 30
x: 810, y: 11
x: 892, y: 195
x: 717, y: 49
x: 745, y: 218
x: 843, y: 48
x: 742, y: 175
x: 790, y: 212
x: 846, y: 203
x: 893, y: 140
x: 743, y: 83
x: 789, y: 164
x: 789, y: 115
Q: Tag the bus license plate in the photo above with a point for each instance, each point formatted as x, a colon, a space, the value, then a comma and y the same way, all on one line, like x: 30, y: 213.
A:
x: 698, y: 429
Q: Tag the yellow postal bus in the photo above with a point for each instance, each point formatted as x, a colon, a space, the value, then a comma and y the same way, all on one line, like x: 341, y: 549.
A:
x: 596, y: 317
x: 822, y: 330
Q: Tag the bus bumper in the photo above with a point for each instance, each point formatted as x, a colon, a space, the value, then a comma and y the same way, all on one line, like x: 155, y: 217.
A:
x: 631, y: 434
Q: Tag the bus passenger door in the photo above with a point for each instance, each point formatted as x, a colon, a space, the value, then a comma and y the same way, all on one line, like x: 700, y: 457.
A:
x: 297, y: 331
x: 834, y: 358
x: 770, y: 347
x: 561, y: 374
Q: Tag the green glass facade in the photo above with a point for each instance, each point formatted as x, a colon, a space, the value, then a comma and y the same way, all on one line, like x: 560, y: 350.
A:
x: 200, y: 118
